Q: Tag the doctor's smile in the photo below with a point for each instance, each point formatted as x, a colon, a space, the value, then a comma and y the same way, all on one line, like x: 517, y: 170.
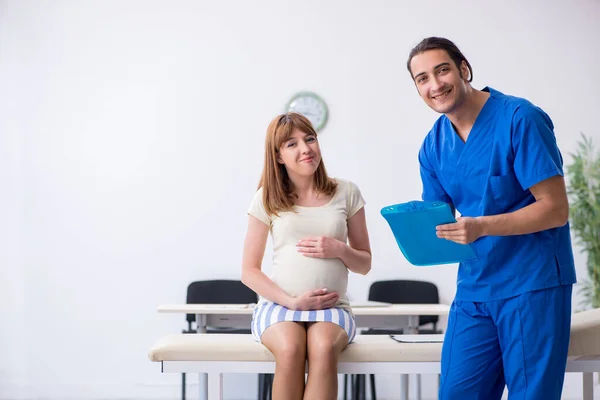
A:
x: 442, y: 96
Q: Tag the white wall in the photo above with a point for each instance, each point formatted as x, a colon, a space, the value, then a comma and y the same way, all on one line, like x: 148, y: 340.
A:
x: 131, y: 137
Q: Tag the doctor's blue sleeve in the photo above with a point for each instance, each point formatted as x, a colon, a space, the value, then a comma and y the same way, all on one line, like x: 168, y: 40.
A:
x: 536, y: 154
x: 432, y: 188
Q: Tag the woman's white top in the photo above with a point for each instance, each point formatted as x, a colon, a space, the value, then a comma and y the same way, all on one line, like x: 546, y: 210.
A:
x: 295, y: 273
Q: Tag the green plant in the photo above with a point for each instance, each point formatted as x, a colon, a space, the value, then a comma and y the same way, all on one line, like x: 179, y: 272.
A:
x: 584, y: 199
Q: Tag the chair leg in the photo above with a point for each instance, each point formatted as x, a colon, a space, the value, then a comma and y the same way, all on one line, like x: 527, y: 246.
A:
x: 355, y: 387
x: 261, y: 386
x: 359, y: 389
x: 373, y: 391
x: 183, y: 386
x: 345, y: 387
x: 270, y: 379
x: 363, y: 387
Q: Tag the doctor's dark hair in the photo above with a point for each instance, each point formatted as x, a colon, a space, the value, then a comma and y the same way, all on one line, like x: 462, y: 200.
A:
x: 278, y: 190
x: 439, y: 43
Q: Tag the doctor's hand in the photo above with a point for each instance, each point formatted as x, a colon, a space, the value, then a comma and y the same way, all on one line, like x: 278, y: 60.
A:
x: 320, y: 247
x: 318, y: 299
x: 465, y: 230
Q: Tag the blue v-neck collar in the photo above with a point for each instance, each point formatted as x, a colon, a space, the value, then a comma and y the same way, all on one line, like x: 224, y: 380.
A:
x: 477, y: 129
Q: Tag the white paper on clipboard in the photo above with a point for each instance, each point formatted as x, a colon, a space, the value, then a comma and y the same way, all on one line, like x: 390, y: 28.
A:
x: 418, y: 338
x: 225, y: 306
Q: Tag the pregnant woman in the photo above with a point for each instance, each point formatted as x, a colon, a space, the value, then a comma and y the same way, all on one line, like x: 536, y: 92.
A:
x: 319, y: 232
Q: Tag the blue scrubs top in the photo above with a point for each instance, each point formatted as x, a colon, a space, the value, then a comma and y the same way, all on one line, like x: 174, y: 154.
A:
x: 510, y: 148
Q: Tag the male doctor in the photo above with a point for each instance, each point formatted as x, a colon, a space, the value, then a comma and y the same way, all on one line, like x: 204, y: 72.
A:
x: 494, y: 158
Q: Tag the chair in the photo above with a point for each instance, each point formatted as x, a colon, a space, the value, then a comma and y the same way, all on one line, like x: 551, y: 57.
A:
x: 222, y: 292
x: 397, y: 292
x: 407, y: 292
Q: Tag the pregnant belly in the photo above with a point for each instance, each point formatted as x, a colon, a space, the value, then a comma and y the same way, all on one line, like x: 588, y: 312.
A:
x: 297, y: 274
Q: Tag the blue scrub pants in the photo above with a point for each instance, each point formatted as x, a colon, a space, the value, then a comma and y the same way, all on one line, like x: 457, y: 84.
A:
x: 521, y: 342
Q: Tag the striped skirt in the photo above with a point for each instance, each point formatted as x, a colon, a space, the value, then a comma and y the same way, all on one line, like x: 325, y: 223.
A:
x: 268, y: 313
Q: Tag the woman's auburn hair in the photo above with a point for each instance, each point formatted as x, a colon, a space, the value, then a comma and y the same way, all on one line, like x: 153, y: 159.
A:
x: 278, y: 190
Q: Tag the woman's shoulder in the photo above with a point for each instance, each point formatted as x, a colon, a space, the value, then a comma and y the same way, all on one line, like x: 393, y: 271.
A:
x: 345, y: 184
x: 258, y: 195
x: 349, y: 192
x: 257, y: 201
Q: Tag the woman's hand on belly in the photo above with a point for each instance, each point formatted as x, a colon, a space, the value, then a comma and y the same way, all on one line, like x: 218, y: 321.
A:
x: 315, y: 300
x: 320, y: 247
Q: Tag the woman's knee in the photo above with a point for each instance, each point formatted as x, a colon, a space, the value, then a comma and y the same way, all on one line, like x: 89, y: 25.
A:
x: 290, y: 351
x: 326, y: 344
x: 287, y: 342
x: 323, y: 347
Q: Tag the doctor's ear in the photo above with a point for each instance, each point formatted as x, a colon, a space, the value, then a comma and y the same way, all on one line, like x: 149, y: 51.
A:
x: 279, y: 160
x: 465, y: 73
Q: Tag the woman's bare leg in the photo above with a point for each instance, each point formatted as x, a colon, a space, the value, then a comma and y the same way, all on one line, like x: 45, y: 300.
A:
x: 287, y: 342
x: 325, y: 342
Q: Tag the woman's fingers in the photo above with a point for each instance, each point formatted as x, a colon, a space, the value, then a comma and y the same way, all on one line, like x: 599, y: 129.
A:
x: 320, y: 299
x: 331, y: 295
x: 304, y: 249
x: 330, y: 304
x: 318, y: 292
x: 328, y: 300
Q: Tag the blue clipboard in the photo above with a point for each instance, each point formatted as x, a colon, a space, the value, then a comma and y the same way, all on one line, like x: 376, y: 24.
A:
x: 413, y: 225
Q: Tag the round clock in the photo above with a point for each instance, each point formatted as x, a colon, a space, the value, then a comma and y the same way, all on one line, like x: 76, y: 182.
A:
x: 311, y: 106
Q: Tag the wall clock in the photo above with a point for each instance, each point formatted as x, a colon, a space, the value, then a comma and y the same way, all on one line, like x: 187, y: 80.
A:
x: 311, y: 106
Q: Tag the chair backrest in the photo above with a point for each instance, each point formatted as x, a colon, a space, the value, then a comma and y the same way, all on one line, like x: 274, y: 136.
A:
x: 218, y: 292
x: 406, y: 292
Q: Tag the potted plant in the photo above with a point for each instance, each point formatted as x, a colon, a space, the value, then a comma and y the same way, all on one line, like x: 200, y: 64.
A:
x: 584, y: 198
